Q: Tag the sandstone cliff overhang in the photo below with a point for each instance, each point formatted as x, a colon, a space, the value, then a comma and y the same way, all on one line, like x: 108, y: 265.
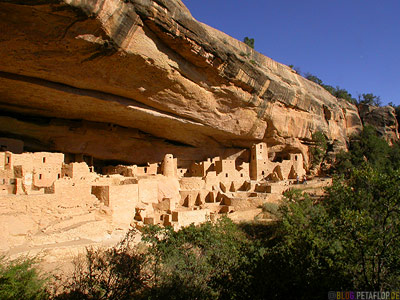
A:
x: 153, y: 80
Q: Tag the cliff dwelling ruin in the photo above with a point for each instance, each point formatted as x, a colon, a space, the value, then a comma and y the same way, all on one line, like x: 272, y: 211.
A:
x: 127, y: 113
x: 130, y: 195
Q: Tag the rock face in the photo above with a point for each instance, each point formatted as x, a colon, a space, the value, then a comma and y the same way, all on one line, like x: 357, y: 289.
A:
x: 383, y: 119
x: 132, y: 80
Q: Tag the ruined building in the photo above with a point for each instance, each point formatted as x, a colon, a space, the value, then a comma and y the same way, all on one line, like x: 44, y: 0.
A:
x: 159, y: 193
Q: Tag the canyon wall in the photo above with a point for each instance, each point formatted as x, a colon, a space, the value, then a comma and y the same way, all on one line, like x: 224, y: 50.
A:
x: 383, y: 119
x: 132, y: 80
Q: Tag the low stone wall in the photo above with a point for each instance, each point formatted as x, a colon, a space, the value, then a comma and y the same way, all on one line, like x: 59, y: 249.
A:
x: 31, y: 220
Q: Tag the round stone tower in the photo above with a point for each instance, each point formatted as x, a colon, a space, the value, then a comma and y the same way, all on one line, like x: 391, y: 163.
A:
x: 169, y: 166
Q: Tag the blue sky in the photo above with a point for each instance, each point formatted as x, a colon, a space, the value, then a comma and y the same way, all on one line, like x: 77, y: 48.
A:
x: 354, y: 44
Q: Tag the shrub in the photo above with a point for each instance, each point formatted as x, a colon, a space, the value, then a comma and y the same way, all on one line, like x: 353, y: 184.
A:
x: 369, y: 99
x: 115, y: 273
x: 271, y: 209
x: 368, y: 148
x: 249, y: 42
x: 20, y: 279
x: 335, y: 91
x: 349, y: 240
x: 209, y: 261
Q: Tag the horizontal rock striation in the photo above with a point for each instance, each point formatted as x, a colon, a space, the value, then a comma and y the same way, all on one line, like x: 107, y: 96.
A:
x: 154, y: 80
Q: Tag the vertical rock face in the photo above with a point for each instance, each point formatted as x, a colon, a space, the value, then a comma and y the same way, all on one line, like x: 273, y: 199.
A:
x: 133, y: 80
x: 383, y: 119
x: 353, y: 122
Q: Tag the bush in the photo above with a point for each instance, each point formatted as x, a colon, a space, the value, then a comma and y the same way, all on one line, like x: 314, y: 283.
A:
x: 369, y: 99
x: 115, y: 273
x: 335, y: 91
x: 349, y: 240
x: 368, y: 148
x: 366, y: 212
x: 249, y: 42
x: 20, y: 279
x: 210, y: 261
x: 271, y: 209
x: 303, y: 257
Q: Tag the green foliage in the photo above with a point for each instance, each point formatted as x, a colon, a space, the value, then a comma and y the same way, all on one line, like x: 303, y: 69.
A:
x: 252, y: 61
x: 270, y: 207
x: 335, y: 91
x: 115, y: 273
x: 396, y: 108
x: 304, y: 256
x: 340, y: 93
x: 368, y: 148
x: 318, y: 151
x: 249, y: 42
x: 347, y: 240
x: 365, y: 209
x: 369, y: 99
x: 296, y: 69
x: 20, y: 279
x: 210, y: 261
x: 271, y: 210
x: 293, y: 195
x: 350, y: 240
x: 313, y: 78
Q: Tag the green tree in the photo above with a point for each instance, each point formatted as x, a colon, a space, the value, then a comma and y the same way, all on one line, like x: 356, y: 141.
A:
x: 337, y: 92
x: 369, y: 99
x: 367, y: 148
x: 210, y: 261
x: 343, y: 94
x: 20, y: 279
x: 249, y: 42
x: 116, y: 273
x: 305, y: 253
x: 314, y: 78
x: 365, y: 209
x: 348, y: 240
x: 298, y: 70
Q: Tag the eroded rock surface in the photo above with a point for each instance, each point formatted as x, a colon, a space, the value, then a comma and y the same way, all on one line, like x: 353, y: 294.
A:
x: 150, y: 68
x: 383, y: 119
